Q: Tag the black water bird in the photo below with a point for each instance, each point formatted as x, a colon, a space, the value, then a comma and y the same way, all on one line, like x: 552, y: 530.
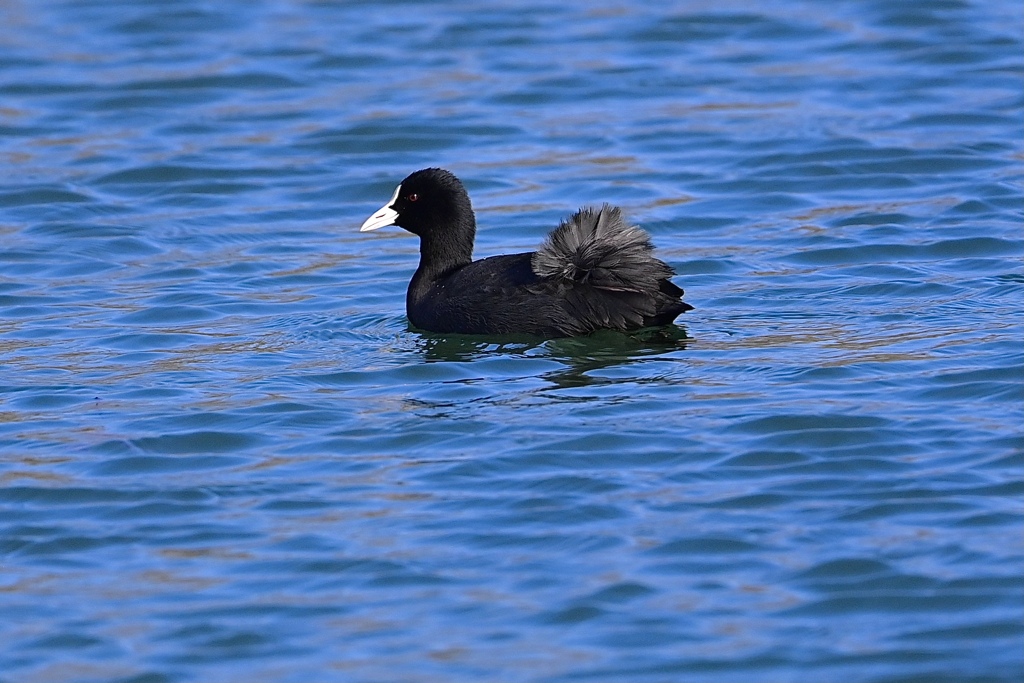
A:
x: 593, y: 272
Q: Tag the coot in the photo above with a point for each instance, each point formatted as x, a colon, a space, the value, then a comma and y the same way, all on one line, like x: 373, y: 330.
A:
x: 593, y: 272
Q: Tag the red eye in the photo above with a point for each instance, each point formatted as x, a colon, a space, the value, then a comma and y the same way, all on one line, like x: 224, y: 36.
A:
x: 413, y: 197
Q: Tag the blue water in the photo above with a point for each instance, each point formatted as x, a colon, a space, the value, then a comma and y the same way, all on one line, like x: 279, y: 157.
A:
x: 224, y: 455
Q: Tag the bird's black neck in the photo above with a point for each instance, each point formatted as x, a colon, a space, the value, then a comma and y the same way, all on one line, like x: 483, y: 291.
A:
x: 442, y: 251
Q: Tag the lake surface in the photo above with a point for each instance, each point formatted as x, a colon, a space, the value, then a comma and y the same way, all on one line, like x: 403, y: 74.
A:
x: 225, y: 456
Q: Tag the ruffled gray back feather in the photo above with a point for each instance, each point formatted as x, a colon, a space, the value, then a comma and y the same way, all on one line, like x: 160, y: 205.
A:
x: 598, y: 249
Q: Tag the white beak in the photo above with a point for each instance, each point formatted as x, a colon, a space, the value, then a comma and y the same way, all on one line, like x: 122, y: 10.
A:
x: 384, y: 216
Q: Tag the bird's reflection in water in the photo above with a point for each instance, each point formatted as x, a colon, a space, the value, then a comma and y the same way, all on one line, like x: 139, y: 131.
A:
x: 578, y: 355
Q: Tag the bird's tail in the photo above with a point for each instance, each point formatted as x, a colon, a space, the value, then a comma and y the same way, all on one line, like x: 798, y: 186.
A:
x: 596, y: 247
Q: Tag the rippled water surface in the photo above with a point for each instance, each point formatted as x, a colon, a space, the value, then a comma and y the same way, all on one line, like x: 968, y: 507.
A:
x: 225, y: 456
